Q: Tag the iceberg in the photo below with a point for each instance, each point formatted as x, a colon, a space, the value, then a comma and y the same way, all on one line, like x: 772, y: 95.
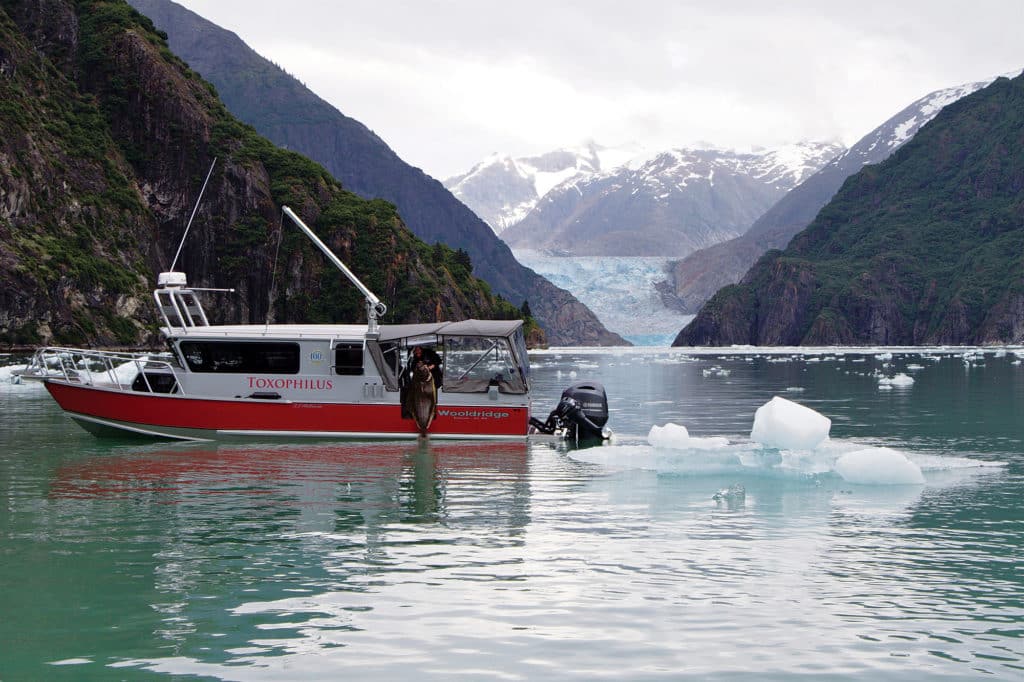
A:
x: 878, y: 466
x: 786, y: 425
x: 898, y: 381
x: 676, y: 437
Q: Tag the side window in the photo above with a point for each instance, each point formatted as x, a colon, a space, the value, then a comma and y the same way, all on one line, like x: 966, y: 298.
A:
x: 348, y: 359
x: 241, y: 357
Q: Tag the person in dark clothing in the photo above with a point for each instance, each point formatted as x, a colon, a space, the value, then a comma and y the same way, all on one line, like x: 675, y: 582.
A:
x: 420, y: 355
x: 429, y: 356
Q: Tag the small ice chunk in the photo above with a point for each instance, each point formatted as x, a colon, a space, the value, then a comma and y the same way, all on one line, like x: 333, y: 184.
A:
x: 878, y: 466
x: 734, y: 492
x: 786, y: 425
x: 668, y: 436
x: 676, y: 437
x: 899, y: 381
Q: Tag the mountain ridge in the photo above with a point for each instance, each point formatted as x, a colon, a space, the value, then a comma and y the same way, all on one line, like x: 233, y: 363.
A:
x: 290, y: 115
x: 926, y: 247
x: 694, y: 279
x: 672, y: 203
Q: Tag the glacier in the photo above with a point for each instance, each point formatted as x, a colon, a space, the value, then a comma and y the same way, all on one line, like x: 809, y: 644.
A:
x: 618, y: 289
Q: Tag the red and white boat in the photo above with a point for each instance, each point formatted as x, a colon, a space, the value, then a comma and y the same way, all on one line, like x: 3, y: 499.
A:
x: 327, y: 381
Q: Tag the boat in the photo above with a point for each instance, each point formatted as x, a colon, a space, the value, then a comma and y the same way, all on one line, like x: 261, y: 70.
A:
x: 293, y: 380
x: 219, y: 382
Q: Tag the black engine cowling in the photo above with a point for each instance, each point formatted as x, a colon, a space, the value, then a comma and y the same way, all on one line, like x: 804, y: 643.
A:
x: 582, y: 413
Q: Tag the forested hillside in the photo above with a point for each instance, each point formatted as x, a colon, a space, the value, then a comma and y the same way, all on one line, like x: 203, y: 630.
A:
x: 105, y: 138
x: 926, y: 247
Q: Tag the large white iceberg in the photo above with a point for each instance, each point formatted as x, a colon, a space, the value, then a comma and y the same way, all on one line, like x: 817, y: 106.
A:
x: 786, y: 425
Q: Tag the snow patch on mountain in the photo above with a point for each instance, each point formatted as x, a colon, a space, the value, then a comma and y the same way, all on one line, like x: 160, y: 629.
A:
x: 503, y: 189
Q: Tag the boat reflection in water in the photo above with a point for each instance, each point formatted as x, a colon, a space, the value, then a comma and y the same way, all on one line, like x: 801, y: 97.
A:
x: 401, y: 480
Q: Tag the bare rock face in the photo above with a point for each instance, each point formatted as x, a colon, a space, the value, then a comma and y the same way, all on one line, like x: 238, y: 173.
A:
x: 105, y: 140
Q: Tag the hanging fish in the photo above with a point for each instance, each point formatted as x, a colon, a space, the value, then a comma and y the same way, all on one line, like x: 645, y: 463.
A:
x: 421, y: 398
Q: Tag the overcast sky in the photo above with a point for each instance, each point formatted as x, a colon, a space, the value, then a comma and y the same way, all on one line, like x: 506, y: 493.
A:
x: 447, y: 82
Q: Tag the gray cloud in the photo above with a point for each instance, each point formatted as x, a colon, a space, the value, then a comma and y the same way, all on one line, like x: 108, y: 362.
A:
x: 447, y: 82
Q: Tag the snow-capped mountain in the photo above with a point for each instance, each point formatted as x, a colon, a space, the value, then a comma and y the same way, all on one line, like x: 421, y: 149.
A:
x: 695, y: 279
x: 503, y: 189
x: 670, y: 205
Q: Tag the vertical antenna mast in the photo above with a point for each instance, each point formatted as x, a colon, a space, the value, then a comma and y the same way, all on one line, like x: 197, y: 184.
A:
x: 194, y: 209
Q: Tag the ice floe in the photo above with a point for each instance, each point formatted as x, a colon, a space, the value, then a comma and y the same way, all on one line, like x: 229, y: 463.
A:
x: 788, y: 440
x: 676, y: 437
x: 878, y: 466
x: 899, y: 381
x: 787, y: 425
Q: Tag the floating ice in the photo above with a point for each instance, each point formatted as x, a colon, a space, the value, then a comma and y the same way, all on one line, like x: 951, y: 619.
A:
x: 734, y: 493
x: 878, y: 466
x: 898, y: 381
x: 676, y: 437
x: 13, y: 383
x: 786, y: 425
x: 7, y: 374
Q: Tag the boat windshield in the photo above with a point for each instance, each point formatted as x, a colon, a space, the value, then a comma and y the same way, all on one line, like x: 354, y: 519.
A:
x: 472, y: 364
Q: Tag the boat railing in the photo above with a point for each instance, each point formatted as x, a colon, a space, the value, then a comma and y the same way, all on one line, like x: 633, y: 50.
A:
x: 109, y: 369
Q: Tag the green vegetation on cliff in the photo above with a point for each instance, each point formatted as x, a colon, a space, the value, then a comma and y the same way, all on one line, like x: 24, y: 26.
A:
x: 105, y: 138
x: 926, y: 247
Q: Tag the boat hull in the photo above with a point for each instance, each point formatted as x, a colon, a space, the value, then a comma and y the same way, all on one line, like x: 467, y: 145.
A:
x: 103, y: 411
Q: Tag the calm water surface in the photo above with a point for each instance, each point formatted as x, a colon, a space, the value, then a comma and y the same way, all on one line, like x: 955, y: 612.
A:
x: 122, y: 560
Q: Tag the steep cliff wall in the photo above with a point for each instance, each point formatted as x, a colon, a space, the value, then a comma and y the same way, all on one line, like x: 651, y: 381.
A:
x: 105, y: 138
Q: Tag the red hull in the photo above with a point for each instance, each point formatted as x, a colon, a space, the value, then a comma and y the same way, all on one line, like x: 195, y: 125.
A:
x: 181, y: 415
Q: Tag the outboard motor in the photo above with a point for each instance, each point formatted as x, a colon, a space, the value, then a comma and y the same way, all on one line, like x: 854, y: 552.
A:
x: 581, y: 414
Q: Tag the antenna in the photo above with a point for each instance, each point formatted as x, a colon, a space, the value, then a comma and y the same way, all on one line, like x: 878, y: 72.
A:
x: 194, y: 209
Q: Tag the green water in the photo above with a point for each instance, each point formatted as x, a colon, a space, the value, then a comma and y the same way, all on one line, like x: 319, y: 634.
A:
x: 135, y: 560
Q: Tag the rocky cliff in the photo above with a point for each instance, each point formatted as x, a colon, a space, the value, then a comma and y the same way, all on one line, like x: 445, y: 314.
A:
x: 105, y: 138
x: 289, y: 114
x: 925, y: 248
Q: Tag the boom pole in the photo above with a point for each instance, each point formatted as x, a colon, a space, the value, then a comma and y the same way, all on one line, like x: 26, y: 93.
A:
x: 374, y: 306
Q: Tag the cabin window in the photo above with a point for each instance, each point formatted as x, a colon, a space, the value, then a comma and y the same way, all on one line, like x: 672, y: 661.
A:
x: 473, y: 364
x: 241, y: 357
x: 348, y: 359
